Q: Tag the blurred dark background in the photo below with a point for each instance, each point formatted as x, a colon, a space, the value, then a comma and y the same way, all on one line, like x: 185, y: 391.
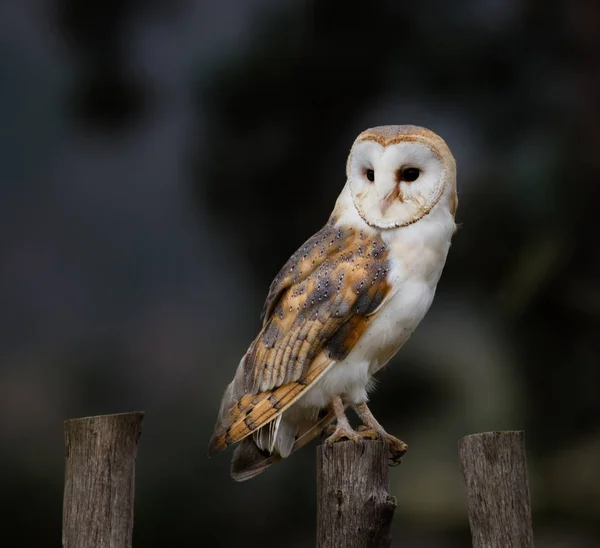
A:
x: 160, y: 160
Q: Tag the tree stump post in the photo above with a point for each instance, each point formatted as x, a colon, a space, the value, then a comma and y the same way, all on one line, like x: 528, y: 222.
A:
x: 494, y: 466
x: 354, y: 508
x: 99, y: 480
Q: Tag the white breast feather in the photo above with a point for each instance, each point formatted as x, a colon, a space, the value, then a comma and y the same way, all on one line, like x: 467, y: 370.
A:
x: 417, y: 257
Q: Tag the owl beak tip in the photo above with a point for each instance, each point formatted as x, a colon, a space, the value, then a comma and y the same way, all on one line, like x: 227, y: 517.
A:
x: 386, y: 203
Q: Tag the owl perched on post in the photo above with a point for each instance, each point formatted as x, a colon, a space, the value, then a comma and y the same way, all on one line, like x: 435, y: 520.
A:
x: 345, y: 303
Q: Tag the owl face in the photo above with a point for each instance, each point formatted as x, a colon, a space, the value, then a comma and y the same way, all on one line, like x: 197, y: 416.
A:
x: 397, y: 174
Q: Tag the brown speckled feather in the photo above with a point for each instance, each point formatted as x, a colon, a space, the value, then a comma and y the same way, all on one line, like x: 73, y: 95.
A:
x: 319, y: 300
x: 317, y: 308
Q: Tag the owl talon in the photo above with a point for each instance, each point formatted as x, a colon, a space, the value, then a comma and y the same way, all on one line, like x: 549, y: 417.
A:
x: 397, y: 449
x: 371, y: 429
x: 367, y: 433
x: 344, y: 432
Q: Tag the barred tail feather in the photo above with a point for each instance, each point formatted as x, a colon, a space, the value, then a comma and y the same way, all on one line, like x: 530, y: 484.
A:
x: 249, y: 460
x: 252, y: 412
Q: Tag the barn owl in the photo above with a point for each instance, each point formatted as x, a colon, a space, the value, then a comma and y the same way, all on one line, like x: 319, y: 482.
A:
x: 344, y: 303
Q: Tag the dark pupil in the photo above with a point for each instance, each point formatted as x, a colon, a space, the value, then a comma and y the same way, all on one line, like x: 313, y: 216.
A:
x: 370, y: 175
x: 410, y: 174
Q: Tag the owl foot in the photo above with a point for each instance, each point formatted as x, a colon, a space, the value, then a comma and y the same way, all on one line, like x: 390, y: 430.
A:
x: 344, y: 432
x: 367, y: 433
x: 371, y: 429
x: 396, y: 447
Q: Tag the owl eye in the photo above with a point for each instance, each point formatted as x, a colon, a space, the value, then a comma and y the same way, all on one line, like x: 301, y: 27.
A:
x: 370, y: 175
x: 410, y: 174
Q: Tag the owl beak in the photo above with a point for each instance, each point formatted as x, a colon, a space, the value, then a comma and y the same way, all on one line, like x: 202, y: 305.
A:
x: 391, y: 197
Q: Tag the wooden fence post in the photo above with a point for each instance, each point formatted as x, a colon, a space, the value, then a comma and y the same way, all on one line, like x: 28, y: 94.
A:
x: 494, y: 466
x: 99, y: 480
x: 354, y: 508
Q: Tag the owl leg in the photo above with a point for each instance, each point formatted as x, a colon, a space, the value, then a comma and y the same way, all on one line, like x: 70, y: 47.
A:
x: 374, y: 430
x: 343, y: 430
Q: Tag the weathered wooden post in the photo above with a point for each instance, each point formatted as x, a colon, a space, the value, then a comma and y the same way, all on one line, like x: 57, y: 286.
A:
x: 99, y: 480
x: 354, y: 508
x: 494, y: 466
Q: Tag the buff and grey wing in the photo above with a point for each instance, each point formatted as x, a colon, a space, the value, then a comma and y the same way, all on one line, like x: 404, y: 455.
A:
x: 316, y: 310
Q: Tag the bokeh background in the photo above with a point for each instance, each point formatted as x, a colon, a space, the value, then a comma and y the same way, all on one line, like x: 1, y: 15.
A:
x: 160, y: 160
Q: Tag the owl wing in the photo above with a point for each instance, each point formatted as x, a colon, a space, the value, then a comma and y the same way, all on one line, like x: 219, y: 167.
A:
x: 317, y: 309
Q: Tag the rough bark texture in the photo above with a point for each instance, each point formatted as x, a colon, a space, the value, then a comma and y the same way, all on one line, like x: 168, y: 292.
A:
x: 99, y: 480
x: 354, y: 508
x: 495, y: 470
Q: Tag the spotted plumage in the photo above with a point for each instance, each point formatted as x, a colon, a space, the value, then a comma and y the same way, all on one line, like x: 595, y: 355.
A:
x: 318, y: 305
x: 319, y: 301
x: 345, y: 302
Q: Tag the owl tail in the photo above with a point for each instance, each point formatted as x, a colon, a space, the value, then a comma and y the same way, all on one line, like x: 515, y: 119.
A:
x: 249, y: 459
x: 242, y: 414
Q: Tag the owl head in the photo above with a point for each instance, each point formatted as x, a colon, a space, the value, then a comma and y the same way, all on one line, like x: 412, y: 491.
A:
x: 397, y: 175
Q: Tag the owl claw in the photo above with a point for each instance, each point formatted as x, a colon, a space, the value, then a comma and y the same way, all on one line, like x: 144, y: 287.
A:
x: 367, y: 433
x: 396, y: 447
x: 371, y: 429
x: 344, y: 432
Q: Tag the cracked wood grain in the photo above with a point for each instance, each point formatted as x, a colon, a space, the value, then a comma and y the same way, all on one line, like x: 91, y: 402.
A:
x: 99, y: 480
x: 354, y: 508
x: 494, y: 467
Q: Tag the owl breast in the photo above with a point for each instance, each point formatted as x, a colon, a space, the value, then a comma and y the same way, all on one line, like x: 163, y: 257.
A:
x: 417, y: 255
